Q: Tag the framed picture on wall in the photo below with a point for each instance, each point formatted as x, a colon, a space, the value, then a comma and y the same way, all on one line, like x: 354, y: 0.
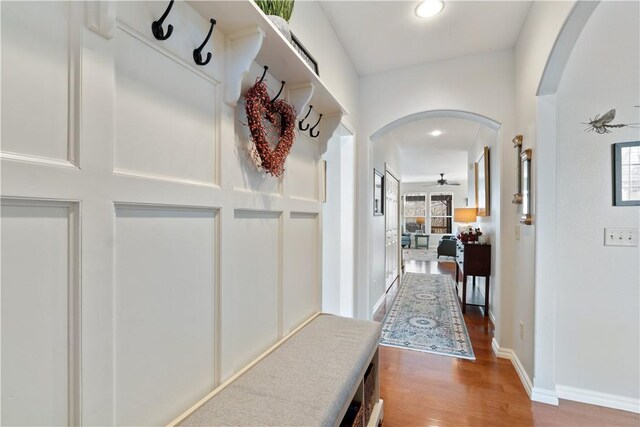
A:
x: 483, y: 189
x: 378, y: 193
x: 626, y: 174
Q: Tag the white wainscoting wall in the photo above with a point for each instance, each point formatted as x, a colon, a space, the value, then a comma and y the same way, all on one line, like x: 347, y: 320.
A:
x: 144, y: 258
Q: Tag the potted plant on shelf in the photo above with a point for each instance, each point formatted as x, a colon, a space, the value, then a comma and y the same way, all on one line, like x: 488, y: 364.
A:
x: 279, y: 11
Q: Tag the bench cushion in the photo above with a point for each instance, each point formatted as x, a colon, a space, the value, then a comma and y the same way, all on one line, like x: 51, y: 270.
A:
x: 306, y: 381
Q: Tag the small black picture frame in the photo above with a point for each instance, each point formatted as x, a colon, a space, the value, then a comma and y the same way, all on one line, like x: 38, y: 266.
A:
x: 626, y: 173
x: 299, y: 47
x: 378, y: 193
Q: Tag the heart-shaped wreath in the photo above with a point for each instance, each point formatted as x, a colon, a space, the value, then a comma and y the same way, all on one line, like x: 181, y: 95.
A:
x: 281, y: 115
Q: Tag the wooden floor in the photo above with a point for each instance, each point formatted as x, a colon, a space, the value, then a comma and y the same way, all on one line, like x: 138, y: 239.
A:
x: 421, y: 389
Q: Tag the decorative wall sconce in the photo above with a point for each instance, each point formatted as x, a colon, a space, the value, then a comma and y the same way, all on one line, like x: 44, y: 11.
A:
x: 525, y: 165
x: 517, y: 144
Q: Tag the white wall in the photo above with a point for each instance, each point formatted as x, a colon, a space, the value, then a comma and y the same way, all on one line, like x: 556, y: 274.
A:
x: 480, y: 84
x: 338, y: 218
x: 598, y: 292
x: 136, y: 233
x: 331, y: 220
x: 311, y: 26
x: 385, y: 153
x: 536, y: 40
x: 489, y: 225
x: 347, y: 220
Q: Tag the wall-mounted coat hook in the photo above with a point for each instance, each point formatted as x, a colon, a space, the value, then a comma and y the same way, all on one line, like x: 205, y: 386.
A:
x: 314, y: 126
x: 156, y: 27
x: 197, y: 53
x: 279, y: 92
x: 305, y: 118
x: 264, y: 73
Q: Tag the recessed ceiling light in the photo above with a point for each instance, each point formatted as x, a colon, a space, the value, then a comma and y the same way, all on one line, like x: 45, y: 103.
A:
x: 436, y: 133
x: 429, y: 8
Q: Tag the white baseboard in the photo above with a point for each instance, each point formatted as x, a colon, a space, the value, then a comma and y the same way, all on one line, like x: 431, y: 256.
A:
x: 542, y: 395
x: 507, y: 353
x: 551, y: 397
x: 499, y: 352
x: 493, y: 319
x: 378, y: 304
x: 597, y: 398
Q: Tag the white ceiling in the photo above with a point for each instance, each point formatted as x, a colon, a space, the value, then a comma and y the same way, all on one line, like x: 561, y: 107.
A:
x: 385, y: 35
x: 423, y: 157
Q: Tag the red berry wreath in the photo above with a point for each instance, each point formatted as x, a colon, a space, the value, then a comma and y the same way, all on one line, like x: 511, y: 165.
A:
x: 281, y: 115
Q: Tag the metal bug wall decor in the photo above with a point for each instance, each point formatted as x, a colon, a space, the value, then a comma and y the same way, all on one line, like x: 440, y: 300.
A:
x: 601, y: 125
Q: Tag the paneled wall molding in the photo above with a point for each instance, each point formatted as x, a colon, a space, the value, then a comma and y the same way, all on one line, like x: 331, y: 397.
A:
x: 38, y: 160
x: 101, y: 17
x: 49, y: 231
x: 302, y: 215
x: 256, y: 213
x: 242, y: 48
x: 192, y: 254
x: 182, y: 58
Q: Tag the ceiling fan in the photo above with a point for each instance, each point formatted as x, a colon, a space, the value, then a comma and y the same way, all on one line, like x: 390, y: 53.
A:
x: 441, y: 182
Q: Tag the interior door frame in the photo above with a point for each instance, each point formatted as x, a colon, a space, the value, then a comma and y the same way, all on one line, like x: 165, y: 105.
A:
x: 390, y: 172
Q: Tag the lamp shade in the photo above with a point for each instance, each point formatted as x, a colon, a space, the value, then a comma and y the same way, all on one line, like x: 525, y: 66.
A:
x: 420, y: 220
x: 464, y: 214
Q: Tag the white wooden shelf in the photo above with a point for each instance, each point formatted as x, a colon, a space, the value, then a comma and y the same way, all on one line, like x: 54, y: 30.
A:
x: 244, y: 18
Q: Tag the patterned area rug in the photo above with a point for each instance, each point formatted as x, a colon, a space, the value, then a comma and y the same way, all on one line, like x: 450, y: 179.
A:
x: 423, y: 255
x: 426, y: 317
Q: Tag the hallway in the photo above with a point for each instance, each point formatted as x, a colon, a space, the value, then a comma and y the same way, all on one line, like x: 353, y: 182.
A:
x: 421, y: 389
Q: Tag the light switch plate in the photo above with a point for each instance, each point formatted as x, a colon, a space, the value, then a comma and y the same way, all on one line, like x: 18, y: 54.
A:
x: 518, y: 232
x: 620, y: 236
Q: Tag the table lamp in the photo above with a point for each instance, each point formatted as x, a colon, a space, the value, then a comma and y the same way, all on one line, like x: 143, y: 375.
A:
x: 420, y: 222
x: 464, y: 215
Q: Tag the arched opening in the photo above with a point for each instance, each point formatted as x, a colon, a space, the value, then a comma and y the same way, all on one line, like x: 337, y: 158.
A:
x: 544, y: 375
x: 568, y: 90
x: 402, y: 146
x: 458, y: 114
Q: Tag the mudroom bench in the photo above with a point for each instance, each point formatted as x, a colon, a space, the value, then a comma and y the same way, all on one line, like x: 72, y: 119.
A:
x: 325, y: 374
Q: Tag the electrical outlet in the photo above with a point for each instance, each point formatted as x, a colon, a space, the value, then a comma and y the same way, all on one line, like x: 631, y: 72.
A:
x: 517, y: 232
x: 521, y: 330
x: 620, y: 236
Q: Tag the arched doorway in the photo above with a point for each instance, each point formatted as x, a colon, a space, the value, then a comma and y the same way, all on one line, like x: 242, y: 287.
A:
x: 376, y: 256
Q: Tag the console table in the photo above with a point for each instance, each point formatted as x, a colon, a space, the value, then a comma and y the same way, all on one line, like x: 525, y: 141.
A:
x: 473, y: 259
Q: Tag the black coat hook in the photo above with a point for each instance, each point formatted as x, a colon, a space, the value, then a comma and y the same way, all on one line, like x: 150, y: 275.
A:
x: 264, y: 73
x: 279, y: 92
x: 156, y: 27
x: 314, y: 126
x: 197, y: 53
x: 305, y: 118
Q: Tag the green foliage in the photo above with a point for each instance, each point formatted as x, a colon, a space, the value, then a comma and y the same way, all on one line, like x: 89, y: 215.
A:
x: 281, y: 8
